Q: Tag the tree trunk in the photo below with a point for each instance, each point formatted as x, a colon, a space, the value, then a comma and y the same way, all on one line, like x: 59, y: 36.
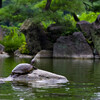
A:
x: 0, y: 3
x: 48, y: 4
x: 75, y: 17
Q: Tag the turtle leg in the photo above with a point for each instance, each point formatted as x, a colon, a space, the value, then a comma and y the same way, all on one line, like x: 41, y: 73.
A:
x: 14, y: 75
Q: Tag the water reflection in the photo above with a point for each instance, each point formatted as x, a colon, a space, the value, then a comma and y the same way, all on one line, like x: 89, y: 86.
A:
x: 75, y: 70
x: 69, y: 92
x: 1, y: 64
x: 83, y: 76
x: 95, y: 74
x: 45, y: 64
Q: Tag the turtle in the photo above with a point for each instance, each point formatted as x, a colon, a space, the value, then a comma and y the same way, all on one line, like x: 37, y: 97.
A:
x: 22, y: 69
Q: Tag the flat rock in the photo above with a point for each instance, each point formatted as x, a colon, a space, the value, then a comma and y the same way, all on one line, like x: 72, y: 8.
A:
x: 3, y: 55
x: 44, y: 54
x: 38, y: 75
x: 18, y: 54
x: 72, y: 46
x: 38, y: 78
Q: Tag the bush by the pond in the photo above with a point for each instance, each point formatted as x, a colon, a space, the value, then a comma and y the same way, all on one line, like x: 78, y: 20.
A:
x: 90, y: 16
x: 13, y: 39
x: 23, y: 49
x: 15, y: 12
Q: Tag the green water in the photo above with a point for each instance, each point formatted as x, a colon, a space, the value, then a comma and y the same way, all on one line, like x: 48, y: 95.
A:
x: 83, y: 76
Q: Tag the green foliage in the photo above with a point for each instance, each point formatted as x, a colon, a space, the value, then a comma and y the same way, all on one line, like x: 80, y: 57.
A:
x: 88, y: 41
x: 96, y: 5
x: 66, y: 20
x: 92, y: 5
x: 69, y: 5
x: 70, y: 25
x: 56, y: 13
x: 40, y: 4
x: 13, y: 40
x: 15, y: 12
x: 47, y: 18
x: 23, y: 49
x: 47, y: 23
x: 90, y: 16
x: 18, y: 10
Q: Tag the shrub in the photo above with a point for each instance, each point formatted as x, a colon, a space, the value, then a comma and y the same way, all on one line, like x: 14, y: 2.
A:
x: 47, y: 23
x: 23, y: 49
x: 15, y: 13
x: 90, y: 16
x: 13, y: 39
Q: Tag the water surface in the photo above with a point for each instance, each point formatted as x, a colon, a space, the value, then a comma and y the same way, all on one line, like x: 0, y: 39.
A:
x: 83, y: 76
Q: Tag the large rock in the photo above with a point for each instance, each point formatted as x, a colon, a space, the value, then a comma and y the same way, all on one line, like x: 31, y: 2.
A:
x: 43, y: 54
x: 36, y: 37
x: 95, y: 33
x: 2, y: 53
x: 39, y: 75
x: 55, y: 31
x: 72, y: 46
x: 38, y: 78
x: 92, y: 33
x: 17, y: 53
x: 84, y: 27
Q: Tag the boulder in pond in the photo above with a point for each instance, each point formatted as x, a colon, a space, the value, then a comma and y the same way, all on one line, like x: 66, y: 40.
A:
x: 72, y: 46
x: 17, y: 53
x: 84, y: 27
x: 2, y: 53
x: 36, y: 37
x: 55, y: 31
x: 43, y: 54
x: 40, y: 76
x: 92, y: 33
x: 95, y: 34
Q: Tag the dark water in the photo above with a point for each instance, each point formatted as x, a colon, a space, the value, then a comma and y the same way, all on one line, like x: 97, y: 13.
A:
x: 83, y: 76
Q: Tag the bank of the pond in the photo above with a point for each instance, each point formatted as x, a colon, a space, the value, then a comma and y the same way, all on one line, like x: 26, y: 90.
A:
x: 84, y: 43
x: 80, y: 44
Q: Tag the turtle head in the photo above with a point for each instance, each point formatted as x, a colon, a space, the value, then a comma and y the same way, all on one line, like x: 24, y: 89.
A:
x: 33, y: 61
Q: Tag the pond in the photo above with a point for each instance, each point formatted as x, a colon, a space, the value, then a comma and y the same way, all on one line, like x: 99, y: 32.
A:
x: 83, y: 76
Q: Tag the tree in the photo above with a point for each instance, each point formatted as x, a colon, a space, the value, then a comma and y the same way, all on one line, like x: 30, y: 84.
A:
x: 47, y: 7
x: 0, y: 3
x: 48, y: 4
x: 92, y: 5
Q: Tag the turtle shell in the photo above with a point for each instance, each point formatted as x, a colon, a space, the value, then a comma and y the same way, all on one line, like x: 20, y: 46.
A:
x: 23, y: 68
